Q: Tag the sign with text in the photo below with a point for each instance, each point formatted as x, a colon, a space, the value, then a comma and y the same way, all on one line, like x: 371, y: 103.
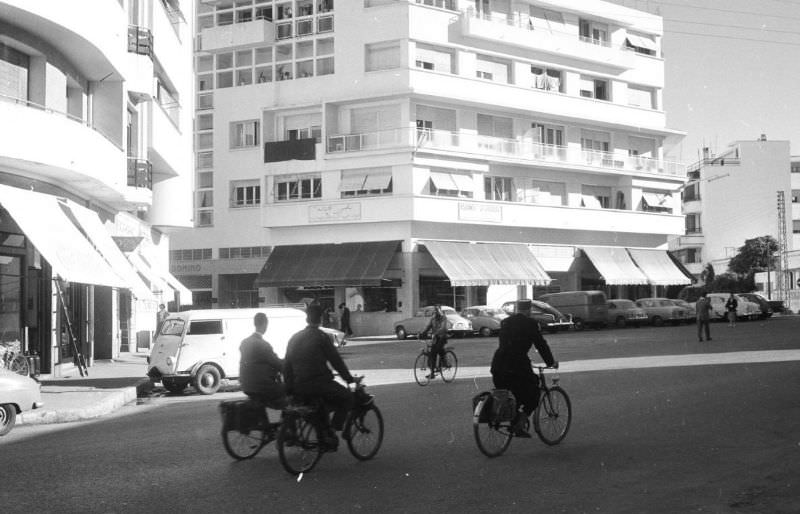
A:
x: 334, y: 212
x: 479, y: 212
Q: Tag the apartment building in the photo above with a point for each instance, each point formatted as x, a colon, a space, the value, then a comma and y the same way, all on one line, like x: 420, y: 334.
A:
x: 732, y: 196
x: 95, y: 171
x: 391, y: 154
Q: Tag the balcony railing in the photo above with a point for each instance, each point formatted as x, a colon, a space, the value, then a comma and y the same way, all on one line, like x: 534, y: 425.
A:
x: 528, y: 150
x: 300, y: 149
x: 140, y: 40
x: 140, y: 173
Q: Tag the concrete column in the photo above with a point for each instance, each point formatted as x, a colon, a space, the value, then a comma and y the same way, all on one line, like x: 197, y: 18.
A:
x: 408, y: 294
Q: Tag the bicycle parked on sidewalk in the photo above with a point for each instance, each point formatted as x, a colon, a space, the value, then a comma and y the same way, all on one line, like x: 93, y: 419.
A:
x: 494, y: 412
x: 446, y: 365
x: 300, y: 444
x: 13, y: 359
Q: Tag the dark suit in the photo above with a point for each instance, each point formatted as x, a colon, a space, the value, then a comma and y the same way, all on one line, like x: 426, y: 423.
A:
x: 259, y: 371
x: 511, y: 366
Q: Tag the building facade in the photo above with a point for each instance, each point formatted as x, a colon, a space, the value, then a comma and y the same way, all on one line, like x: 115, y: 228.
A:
x: 391, y: 154
x: 95, y: 170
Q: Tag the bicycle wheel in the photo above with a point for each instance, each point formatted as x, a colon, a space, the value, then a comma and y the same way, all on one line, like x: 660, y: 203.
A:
x: 19, y: 364
x: 553, y: 416
x: 421, y: 369
x: 243, y: 444
x: 449, y: 366
x: 364, y: 432
x: 493, y: 438
x: 299, y: 445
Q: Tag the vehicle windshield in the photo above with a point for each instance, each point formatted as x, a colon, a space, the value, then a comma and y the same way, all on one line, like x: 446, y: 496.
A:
x: 624, y: 304
x: 173, y: 327
x: 493, y: 312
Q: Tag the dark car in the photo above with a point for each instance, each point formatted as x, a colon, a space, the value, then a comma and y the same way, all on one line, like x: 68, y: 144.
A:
x: 625, y: 313
x: 549, y: 318
x: 763, y: 303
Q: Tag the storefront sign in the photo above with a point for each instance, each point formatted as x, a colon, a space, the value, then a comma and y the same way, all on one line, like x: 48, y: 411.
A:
x: 479, y: 212
x: 334, y: 212
x: 187, y: 268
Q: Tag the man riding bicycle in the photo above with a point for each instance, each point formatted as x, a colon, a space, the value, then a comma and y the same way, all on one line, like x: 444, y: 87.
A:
x: 260, y: 368
x: 306, y: 372
x: 438, y: 329
x: 511, y: 367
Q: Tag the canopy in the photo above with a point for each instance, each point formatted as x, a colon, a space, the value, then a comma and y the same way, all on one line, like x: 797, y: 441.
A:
x: 615, y: 265
x: 46, y: 224
x: 328, y: 265
x: 161, y: 281
x: 641, y: 42
x: 484, y: 264
x: 658, y: 267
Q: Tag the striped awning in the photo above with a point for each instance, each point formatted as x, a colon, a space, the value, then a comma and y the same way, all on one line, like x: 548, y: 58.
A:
x: 615, y: 265
x: 658, y: 267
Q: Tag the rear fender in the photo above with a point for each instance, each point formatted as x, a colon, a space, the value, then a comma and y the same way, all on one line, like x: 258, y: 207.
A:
x: 196, y: 366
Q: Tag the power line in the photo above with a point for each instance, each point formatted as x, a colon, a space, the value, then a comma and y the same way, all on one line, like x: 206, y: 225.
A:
x: 733, y: 37
x: 730, y: 11
x: 777, y: 31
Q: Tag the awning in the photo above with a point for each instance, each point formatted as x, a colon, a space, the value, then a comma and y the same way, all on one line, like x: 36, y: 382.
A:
x: 163, y: 284
x: 45, y: 223
x: 641, y: 42
x: 485, y: 264
x: 654, y: 199
x: 353, y: 182
x: 443, y: 181
x: 658, y: 267
x: 554, y: 259
x: 377, y: 181
x: 328, y: 265
x: 615, y: 265
x: 101, y: 239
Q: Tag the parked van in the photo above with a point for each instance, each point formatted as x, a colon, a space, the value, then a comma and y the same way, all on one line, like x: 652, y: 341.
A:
x: 201, y: 347
x: 587, y: 308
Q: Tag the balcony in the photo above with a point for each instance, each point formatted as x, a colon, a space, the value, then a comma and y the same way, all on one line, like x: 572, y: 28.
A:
x: 517, y: 29
x: 169, y: 150
x: 294, y: 149
x: 140, y: 40
x: 495, y: 148
x: 251, y: 33
x: 140, y: 173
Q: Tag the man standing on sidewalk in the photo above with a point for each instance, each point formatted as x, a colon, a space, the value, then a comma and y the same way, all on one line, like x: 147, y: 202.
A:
x: 703, y: 310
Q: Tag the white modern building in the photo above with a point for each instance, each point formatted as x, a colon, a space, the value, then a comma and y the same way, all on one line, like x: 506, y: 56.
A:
x: 95, y: 170
x: 390, y: 154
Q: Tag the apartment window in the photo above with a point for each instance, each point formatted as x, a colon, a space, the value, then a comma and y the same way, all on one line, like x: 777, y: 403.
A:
x: 204, y: 203
x: 244, y: 252
x: 795, y: 195
x: 245, y: 193
x: 641, y: 96
x: 596, y: 197
x: 498, y: 188
x: 194, y: 254
x: 244, y: 134
x: 263, y: 13
x: 205, y: 82
x: 434, y: 59
x: 325, y: 66
x: 325, y: 24
x: 593, y: 32
x: 593, y: 142
x: 205, y: 179
x: 205, y: 140
x: 205, y: 122
x: 594, y: 88
x: 692, y: 222
x: 205, y: 101
x: 382, y: 56
x: 490, y: 69
x: 366, y: 182
x: 495, y: 126
x: 540, y: 192
x: 204, y: 218
x: 205, y: 63
x: 303, y: 187
x: 795, y: 226
x: 691, y: 193
x: 205, y: 160
x: 693, y: 256
x: 444, y: 183
x: 547, y: 79
x: 795, y: 167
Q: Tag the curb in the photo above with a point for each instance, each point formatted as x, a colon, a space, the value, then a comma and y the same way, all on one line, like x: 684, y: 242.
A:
x: 115, y: 399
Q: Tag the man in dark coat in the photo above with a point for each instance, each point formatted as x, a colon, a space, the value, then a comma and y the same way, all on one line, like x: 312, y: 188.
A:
x: 344, y: 320
x: 306, y: 371
x: 511, y: 367
x: 260, y: 367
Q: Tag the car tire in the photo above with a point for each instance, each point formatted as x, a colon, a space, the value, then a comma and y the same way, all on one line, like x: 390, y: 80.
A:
x: 400, y: 332
x: 657, y: 321
x: 578, y: 324
x: 8, y: 417
x: 485, y: 331
x: 207, y: 379
x: 620, y: 322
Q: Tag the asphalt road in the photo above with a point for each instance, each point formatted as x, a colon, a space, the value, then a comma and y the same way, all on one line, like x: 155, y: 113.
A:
x: 714, y: 438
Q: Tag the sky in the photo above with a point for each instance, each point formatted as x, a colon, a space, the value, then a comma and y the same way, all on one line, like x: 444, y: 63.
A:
x: 732, y: 71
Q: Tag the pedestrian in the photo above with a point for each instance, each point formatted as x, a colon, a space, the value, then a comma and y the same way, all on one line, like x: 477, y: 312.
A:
x: 730, y: 308
x: 161, y: 316
x: 703, y: 310
x: 344, y: 320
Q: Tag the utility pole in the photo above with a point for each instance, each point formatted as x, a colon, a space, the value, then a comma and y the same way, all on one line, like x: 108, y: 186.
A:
x: 783, y: 258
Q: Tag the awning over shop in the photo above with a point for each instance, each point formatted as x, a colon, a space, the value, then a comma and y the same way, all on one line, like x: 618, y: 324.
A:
x: 615, y: 265
x: 46, y: 224
x: 162, y: 282
x: 484, y: 264
x: 658, y: 267
x: 328, y: 265
x: 101, y: 239
x: 554, y: 259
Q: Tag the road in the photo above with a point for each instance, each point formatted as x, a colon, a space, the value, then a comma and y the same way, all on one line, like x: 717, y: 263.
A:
x: 708, y: 438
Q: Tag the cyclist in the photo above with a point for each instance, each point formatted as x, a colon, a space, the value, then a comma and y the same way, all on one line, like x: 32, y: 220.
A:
x: 511, y: 367
x: 438, y: 328
x: 260, y: 368
x: 306, y: 372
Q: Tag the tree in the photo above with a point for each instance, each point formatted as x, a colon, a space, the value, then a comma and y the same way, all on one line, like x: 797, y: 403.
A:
x: 755, y: 255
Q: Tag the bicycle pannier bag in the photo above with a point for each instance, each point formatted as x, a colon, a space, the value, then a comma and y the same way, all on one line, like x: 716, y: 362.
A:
x: 503, y: 405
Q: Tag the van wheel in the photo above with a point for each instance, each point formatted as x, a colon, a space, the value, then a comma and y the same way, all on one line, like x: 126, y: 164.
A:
x: 174, y: 386
x: 579, y: 324
x: 400, y: 332
x: 620, y: 322
x: 657, y: 321
x: 486, y: 331
x: 207, y: 379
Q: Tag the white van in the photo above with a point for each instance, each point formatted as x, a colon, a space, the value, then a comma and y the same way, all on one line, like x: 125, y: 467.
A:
x: 201, y: 347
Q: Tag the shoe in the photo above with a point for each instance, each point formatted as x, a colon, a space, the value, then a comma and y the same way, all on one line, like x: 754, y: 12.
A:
x: 330, y: 442
x: 431, y: 376
x: 701, y: 340
x: 521, y: 432
x: 709, y: 339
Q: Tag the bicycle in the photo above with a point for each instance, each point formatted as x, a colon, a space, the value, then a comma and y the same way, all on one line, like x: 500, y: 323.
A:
x: 13, y: 359
x: 300, y: 444
x: 494, y: 412
x: 447, y: 365
x: 246, y: 427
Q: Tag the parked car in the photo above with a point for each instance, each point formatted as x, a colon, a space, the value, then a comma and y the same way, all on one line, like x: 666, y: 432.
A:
x: 763, y: 303
x: 691, y: 312
x: 485, y: 320
x: 550, y: 319
x: 745, y: 309
x: 623, y: 313
x: 662, y: 310
x: 587, y: 308
x: 18, y: 393
x: 457, y: 326
x: 337, y: 336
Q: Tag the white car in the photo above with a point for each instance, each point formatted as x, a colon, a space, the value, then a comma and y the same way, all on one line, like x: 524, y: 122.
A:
x: 745, y: 309
x: 456, y: 324
x: 18, y: 393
